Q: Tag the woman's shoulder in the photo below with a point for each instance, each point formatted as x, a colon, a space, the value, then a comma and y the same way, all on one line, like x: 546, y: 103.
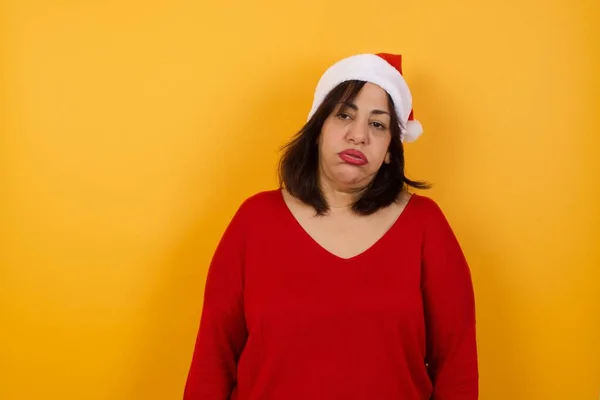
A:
x: 259, y: 204
x: 262, y: 199
x: 424, y: 204
x: 430, y: 214
x: 428, y: 211
x: 255, y: 209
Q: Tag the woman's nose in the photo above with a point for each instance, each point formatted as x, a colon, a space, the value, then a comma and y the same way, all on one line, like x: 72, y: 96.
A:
x: 358, y: 132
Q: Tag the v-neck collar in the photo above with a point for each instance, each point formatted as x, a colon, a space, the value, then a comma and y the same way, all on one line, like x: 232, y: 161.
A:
x: 373, y: 248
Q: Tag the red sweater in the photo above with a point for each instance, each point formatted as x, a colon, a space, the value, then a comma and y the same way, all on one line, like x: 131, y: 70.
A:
x: 284, y: 319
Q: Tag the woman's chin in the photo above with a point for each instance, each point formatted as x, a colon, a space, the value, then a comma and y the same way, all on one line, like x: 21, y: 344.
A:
x: 350, y: 179
x: 346, y: 177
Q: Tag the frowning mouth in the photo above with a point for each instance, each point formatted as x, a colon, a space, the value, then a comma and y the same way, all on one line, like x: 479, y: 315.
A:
x: 353, y: 157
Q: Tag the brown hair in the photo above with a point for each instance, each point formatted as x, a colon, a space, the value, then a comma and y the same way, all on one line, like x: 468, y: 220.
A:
x: 299, y: 164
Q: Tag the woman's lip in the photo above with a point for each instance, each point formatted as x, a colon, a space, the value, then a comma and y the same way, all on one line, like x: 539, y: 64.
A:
x: 354, y: 157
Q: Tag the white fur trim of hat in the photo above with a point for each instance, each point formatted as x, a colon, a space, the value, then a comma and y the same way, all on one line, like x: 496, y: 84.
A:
x: 381, y: 69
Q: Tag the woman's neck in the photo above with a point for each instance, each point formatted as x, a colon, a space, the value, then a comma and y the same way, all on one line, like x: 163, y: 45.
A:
x: 339, y: 200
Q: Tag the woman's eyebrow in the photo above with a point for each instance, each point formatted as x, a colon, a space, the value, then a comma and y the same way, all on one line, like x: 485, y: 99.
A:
x: 355, y: 108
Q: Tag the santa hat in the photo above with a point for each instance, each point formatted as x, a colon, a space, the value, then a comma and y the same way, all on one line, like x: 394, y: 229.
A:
x: 382, y: 69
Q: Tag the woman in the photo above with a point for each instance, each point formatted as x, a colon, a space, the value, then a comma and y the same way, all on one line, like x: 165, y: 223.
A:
x: 341, y: 284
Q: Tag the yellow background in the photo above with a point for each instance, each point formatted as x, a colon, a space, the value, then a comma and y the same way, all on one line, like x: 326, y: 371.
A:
x: 133, y: 129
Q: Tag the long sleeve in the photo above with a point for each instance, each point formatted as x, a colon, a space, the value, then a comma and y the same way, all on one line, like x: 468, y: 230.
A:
x: 222, y: 332
x: 448, y: 298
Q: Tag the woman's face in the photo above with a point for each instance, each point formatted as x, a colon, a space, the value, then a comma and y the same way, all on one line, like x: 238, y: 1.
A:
x: 355, y: 139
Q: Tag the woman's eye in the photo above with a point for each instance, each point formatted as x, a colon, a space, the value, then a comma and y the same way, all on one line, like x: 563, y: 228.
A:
x: 343, y: 116
x: 378, y: 125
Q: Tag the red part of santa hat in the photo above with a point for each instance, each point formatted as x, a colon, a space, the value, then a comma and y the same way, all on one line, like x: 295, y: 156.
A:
x: 382, y: 69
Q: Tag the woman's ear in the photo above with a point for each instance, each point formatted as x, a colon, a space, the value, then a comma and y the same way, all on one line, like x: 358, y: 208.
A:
x: 387, y: 158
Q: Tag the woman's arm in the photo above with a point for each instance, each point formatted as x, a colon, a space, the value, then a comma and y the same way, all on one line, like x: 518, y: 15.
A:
x: 222, y: 332
x: 449, y: 303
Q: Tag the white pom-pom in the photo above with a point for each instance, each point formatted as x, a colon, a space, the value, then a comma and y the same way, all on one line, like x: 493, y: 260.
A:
x: 414, y: 129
